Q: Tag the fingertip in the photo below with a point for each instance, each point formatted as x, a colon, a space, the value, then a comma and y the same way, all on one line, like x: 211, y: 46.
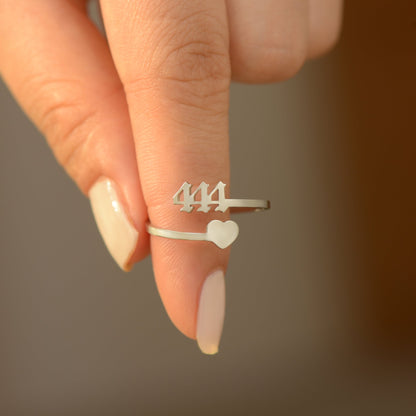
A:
x: 191, y: 284
x: 211, y: 313
x: 118, y: 231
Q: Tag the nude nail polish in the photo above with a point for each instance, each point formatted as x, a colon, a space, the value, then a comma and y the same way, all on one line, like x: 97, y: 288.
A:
x: 211, y: 312
x: 117, y: 231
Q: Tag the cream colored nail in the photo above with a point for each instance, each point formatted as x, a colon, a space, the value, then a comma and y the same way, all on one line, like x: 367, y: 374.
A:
x: 211, y: 312
x: 117, y: 231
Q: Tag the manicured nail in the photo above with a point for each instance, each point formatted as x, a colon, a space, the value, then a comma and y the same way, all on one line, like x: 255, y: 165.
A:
x: 117, y: 231
x: 211, y: 313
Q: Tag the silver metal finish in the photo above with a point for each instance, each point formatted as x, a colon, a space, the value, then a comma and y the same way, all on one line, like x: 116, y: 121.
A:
x: 218, y: 232
x: 207, y: 199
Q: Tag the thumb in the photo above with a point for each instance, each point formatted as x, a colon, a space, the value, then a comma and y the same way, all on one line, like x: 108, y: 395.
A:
x: 172, y: 57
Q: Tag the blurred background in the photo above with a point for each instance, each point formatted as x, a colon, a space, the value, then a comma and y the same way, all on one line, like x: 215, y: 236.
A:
x: 321, y: 290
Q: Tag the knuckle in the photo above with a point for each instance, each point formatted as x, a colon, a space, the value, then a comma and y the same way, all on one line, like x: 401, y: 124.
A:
x: 289, y: 60
x: 68, y: 135
x: 195, y: 60
x: 270, y: 61
x: 325, y: 29
x: 191, y: 75
x: 66, y: 122
x: 190, y: 49
x: 320, y: 44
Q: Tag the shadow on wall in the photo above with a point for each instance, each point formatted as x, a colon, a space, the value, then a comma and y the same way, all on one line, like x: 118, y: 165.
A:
x: 377, y: 69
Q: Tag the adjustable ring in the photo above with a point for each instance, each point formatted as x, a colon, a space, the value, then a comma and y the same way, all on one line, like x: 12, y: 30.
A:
x: 222, y: 234
x: 206, y: 199
x: 218, y: 232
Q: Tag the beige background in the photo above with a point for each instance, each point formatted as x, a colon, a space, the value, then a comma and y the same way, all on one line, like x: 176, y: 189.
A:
x: 321, y: 290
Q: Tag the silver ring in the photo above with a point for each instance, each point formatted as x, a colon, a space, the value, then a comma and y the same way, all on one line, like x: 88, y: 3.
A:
x: 218, y: 232
x: 222, y: 234
x: 206, y: 199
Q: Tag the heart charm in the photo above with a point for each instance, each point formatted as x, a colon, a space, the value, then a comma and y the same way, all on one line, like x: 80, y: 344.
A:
x: 222, y: 233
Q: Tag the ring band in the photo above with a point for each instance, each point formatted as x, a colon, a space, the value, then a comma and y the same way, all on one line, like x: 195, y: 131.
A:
x: 218, y: 232
x: 249, y: 205
x: 206, y: 200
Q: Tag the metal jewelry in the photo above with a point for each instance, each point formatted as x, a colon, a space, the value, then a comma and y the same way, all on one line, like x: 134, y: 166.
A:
x: 221, y: 233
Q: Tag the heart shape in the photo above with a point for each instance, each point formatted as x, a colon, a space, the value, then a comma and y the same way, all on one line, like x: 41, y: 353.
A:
x: 222, y: 233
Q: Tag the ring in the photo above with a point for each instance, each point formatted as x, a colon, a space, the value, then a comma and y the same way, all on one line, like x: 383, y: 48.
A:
x: 218, y: 232
x: 221, y: 233
x: 206, y: 199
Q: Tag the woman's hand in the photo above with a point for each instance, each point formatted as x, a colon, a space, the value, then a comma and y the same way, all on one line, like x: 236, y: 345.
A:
x: 133, y: 119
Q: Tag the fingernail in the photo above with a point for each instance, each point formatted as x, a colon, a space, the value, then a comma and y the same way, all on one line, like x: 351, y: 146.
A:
x: 117, y: 231
x: 211, y: 313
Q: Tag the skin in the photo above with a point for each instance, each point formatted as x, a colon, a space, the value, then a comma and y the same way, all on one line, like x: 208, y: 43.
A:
x: 149, y: 109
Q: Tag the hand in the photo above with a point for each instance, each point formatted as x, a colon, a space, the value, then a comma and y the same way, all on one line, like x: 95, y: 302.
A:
x: 133, y: 119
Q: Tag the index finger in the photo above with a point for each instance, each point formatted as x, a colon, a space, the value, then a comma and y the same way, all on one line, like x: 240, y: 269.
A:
x: 172, y: 57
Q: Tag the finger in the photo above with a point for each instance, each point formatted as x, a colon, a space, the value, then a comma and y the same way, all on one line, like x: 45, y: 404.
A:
x: 60, y: 70
x: 268, y: 38
x: 325, y: 18
x: 172, y: 57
